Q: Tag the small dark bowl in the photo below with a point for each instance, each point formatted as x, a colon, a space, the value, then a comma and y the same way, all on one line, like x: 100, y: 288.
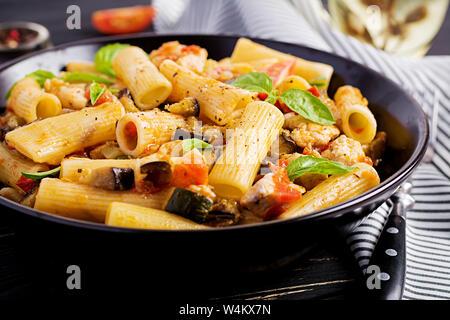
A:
x: 128, y: 255
x: 34, y: 36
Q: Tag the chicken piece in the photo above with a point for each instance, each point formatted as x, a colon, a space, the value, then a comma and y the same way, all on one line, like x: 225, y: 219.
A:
x: 192, y: 57
x: 261, y: 196
x: 71, y: 95
x: 376, y: 147
x: 326, y: 100
x: 345, y: 150
x: 307, y: 134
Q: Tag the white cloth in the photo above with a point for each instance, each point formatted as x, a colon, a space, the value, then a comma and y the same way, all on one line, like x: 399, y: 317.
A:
x: 300, y: 21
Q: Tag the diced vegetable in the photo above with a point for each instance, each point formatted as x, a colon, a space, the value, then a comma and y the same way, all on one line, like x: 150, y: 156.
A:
x: 158, y: 173
x: 189, y: 204
x: 113, y: 178
x: 186, y: 107
x: 224, y: 212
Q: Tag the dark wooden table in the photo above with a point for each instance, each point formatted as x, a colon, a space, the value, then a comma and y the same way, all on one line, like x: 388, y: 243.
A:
x: 324, y: 273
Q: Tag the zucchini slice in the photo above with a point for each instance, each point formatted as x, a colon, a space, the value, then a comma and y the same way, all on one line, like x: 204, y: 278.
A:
x: 189, y: 204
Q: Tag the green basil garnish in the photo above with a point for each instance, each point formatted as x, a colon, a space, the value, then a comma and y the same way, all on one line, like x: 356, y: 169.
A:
x: 41, y: 175
x: 308, y: 106
x: 39, y: 75
x: 96, y: 91
x: 85, y: 77
x: 195, y: 143
x: 104, y: 57
x: 311, y: 164
x: 300, y: 101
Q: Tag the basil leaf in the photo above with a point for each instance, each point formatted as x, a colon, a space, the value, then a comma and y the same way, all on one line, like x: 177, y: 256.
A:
x: 85, y: 77
x: 104, y: 57
x: 311, y: 164
x: 254, y: 81
x: 41, y: 175
x: 39, y: 75
x: 318, y: 82
x: 195, y: 143
x: 96, y: 91
x: 308, y: 106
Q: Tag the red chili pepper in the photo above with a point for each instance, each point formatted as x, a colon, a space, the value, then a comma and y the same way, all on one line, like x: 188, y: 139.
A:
x: 314, y: 91
x: 25, y: 183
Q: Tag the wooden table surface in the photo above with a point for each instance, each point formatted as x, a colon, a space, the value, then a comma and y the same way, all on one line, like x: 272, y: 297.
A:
x: 324, y: 273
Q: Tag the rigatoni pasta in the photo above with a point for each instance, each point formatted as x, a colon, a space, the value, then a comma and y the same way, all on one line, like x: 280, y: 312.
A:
x: 143, y: 132
x: 49, y: 140
x: 147, y: 85
x: 217, y: 100
x: 29, y: 102
x: 246, y: 138
x: 12, y: 164
x: 84, y: 202
x: 236, y: 169
x: 248, y: 51
x: 335, y: 190
x: 121, y: 214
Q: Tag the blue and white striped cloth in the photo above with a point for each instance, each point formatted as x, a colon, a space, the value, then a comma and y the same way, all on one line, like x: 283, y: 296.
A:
x: 427, y: 79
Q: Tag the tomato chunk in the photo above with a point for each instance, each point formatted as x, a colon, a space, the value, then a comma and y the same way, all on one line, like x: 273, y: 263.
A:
x: 284, y: 190
x: 192, y: 170
x: 123, y: 20
x: 314, y: 91
x: 130, y: 129
x: 25, y: 183
x: 280, y: 70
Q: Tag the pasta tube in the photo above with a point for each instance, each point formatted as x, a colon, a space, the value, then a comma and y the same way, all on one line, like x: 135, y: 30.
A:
x: 358, y: 121
x: 334, y: 190
x: 293, y: 82
x: 81, y: 66
x: 49, y: 140
x: 246, y: 50
x: 142, y: 133
x: 236, y: 169
x: 131, y: 216
x: 12, y: 164
x: 88, y: 203
x: 147, y: 85
x: 81, y: 170
x: 29, y: 102
x: 217, y: 100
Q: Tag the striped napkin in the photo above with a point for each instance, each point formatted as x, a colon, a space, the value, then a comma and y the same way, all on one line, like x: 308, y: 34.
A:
x: 427, y: 79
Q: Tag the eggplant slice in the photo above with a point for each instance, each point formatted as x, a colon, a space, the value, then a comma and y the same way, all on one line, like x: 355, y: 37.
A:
x: 158, y: 173
x: 112, y: 178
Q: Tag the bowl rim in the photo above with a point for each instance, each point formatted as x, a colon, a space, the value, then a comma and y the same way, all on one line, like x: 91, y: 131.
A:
x: 331, y: 212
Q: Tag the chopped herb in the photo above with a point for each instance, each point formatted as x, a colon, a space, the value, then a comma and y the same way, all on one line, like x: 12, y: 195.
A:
x: 85, y: 77
x: 96, y: 91
x: 41, y: 175
x: 195, y: 143
x: 311, y: 164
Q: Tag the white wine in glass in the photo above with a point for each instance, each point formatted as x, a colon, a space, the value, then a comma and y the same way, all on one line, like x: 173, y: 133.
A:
x: 402, y: 27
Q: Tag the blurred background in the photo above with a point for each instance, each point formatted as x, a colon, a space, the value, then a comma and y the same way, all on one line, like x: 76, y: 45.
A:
x: 402, y: 27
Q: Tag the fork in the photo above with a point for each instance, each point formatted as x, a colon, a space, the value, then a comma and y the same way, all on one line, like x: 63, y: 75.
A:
x: 390, y: 251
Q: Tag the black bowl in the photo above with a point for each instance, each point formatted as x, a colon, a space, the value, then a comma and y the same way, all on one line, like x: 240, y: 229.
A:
x: 107, y: 251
